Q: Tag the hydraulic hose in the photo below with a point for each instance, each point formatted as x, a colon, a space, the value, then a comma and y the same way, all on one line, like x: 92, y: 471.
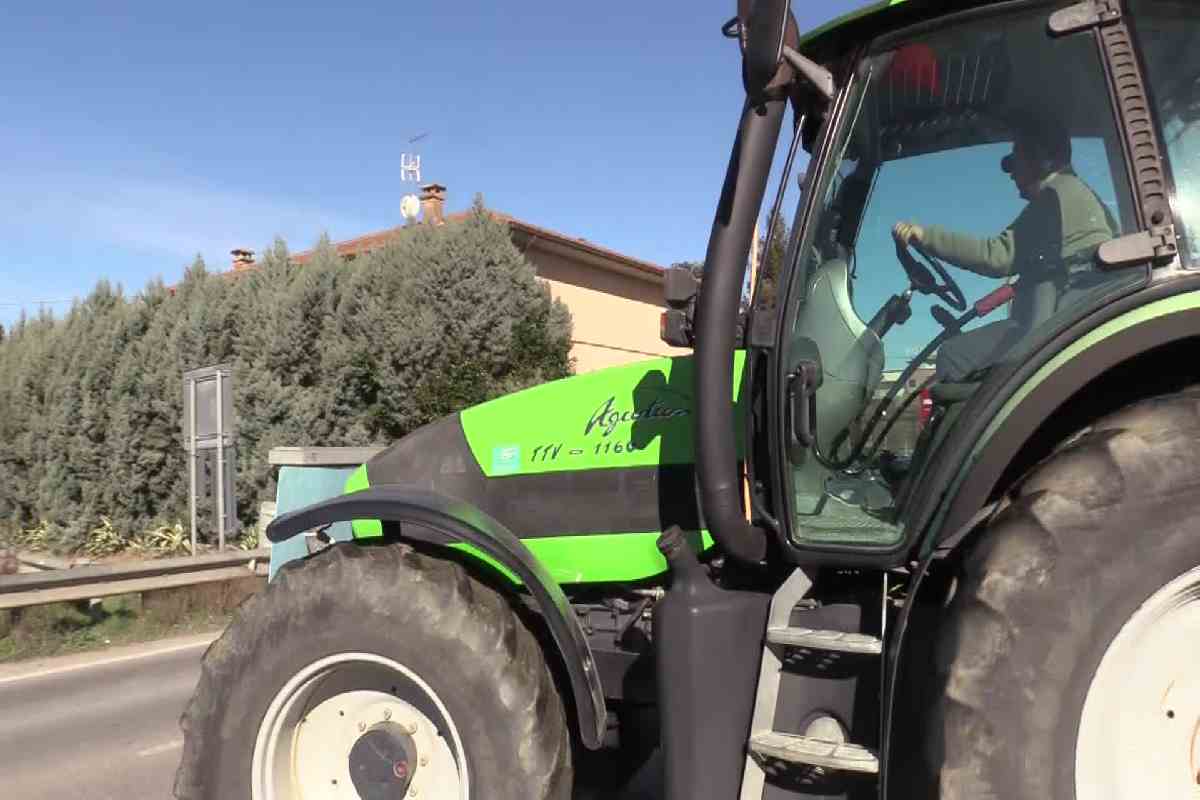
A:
x: 716, y: 321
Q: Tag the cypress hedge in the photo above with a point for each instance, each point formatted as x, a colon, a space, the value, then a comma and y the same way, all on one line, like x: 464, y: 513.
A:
x: 326, y: 353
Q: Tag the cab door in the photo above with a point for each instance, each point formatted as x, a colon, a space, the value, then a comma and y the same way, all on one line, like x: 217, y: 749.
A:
x: 919, y: 135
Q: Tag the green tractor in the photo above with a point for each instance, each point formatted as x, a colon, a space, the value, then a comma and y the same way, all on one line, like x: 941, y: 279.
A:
x: 724, y: 576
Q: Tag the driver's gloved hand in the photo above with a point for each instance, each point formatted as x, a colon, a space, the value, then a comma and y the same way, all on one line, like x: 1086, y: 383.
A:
x: 908, y: 232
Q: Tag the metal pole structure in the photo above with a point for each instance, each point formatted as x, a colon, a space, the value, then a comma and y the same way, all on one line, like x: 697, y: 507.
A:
x: 755, y: 257
x: 192, y: 454
x: 220, y: 463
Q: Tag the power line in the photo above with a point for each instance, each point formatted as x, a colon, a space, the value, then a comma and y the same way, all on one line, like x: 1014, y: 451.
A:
x: 35, y: 303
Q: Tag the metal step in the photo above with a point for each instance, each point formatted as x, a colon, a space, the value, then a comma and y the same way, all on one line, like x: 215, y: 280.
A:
x: 825, y: 640
x: 814, y: 752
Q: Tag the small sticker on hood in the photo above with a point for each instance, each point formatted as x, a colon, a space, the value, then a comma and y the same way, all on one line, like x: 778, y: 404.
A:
x: 506, y: 459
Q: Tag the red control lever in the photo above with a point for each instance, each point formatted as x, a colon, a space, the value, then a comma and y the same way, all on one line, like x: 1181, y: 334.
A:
x: 988, y: 303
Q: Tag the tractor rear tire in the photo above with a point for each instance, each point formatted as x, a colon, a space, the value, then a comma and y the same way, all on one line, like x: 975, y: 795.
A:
x: 385, y: 644
x: 1068, y: 658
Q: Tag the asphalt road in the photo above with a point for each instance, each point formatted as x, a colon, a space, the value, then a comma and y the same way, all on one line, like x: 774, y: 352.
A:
x: 99, y: 726
x: 106, y: 725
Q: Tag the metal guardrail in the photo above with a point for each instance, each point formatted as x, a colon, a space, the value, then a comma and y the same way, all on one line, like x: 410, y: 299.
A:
x: 40, y: 562
x: 85, y: 583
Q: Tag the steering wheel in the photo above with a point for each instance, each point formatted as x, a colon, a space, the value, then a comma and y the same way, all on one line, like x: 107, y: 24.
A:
x: 922, y: 279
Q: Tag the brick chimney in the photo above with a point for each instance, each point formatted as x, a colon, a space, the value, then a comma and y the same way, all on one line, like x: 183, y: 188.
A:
x: 433, y: 203
x: 242, y: 259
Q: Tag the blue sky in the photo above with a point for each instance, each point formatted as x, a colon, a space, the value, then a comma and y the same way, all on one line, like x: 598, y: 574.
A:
x: 134, y: 135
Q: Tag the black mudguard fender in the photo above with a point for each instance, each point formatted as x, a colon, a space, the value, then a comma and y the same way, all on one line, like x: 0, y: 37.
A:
x: 440, y: 520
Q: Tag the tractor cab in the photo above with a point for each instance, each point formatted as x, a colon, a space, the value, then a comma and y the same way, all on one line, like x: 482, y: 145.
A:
x: 925, y: 134
x: 978, y: 183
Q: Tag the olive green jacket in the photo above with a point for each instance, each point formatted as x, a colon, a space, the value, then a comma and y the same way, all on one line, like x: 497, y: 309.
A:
x: 1063, y: 225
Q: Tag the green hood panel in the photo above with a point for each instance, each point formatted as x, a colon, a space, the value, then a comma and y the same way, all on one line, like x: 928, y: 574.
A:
x: 600, y: 558
x: 629, y: 416
x: 587, y: 470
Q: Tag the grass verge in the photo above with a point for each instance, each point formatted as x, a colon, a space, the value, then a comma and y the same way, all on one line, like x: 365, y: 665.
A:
x: 62, y: 628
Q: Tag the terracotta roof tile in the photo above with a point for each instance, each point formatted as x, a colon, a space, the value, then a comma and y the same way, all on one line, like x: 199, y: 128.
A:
x: 371, y: 241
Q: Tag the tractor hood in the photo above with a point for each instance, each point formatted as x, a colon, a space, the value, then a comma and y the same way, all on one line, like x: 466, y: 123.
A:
x: 587, y: 470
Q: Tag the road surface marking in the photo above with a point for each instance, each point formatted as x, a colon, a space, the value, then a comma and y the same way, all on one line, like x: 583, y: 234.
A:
x: 108, y: 662
x: 165, y: 747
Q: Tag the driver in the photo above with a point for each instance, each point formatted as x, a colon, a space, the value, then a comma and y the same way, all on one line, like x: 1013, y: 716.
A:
x: 1049, y: 246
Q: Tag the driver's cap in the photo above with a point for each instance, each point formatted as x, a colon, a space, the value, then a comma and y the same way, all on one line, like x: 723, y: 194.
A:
x: 1042, y: 140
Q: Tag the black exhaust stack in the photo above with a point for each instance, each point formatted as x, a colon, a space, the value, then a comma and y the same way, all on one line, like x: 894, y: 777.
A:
x: 716, y: 322
x: 708, y: 643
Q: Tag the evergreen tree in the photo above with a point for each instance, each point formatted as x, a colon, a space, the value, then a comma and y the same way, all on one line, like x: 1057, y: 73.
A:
x: 92, y: 369
x: 134, y: 426
x: 10, y: 427
x: 325, y: 353
x: 60, y: 489
x: 147, y: 417
x: 771, y: 261
x: 443, y: 318
x: 263, y: 399
x: 25, y: 446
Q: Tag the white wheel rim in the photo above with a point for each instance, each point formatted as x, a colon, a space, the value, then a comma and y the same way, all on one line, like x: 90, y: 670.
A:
x: 302, y: 751
x: 1139, y: 734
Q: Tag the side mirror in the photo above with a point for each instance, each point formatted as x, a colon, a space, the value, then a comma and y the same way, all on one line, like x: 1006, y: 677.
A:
x: 762, y: 27
x: 680, y: 287
x: 678, y: 322
x: 767, y: 33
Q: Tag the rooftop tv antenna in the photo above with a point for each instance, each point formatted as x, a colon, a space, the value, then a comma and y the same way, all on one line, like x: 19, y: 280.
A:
x: 410, y: 167
x: 410, y: 163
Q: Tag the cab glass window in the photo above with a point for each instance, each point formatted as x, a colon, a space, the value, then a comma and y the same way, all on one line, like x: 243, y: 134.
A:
x: 952, y: 146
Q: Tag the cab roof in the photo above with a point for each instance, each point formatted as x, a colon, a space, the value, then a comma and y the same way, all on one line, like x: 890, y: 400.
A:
x: 831, y: 40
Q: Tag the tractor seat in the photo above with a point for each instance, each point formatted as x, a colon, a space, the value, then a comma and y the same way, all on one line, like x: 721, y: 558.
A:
x: 945, y: 394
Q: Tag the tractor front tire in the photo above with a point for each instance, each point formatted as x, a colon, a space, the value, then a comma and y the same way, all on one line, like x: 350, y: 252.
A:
x: 375, y: 671
x: 1068, y: 662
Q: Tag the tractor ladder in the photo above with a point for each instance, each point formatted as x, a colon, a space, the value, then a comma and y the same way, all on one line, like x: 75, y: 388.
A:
x: 815, y: 669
